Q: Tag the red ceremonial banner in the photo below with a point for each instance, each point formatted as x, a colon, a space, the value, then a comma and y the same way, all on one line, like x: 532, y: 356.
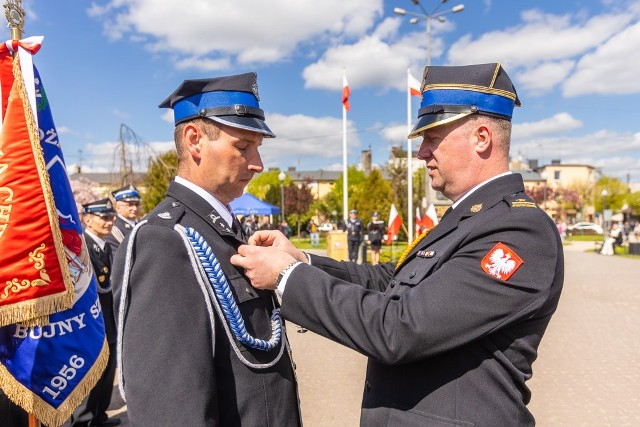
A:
x: 34, y: 275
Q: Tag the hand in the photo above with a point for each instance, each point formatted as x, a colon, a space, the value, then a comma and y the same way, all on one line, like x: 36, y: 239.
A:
x: 277, y: 240
x: 262, y: 264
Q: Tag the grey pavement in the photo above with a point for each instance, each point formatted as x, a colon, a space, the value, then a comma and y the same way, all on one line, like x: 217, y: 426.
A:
x: 585, y: 374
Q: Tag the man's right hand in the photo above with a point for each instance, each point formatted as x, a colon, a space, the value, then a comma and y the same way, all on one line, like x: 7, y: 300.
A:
x: 277, y: 240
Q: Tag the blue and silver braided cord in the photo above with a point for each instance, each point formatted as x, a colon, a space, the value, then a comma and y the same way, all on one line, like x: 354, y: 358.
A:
x: 220, y: 286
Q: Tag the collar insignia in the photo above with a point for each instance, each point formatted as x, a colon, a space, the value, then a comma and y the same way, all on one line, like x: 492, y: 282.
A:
x: 476, y: 208
x: 164, y: 215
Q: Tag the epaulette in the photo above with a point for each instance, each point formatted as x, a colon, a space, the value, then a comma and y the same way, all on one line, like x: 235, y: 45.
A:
x: 166, y: 214
x: 520, y: 200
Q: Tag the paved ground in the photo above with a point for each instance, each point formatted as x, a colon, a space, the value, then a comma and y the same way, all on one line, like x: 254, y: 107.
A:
x: 586, y: 373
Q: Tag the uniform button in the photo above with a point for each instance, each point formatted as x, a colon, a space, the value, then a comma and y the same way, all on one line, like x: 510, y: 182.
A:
x: 248, y: 290
x: 175, y: 204
x: 367, y: 385
x: 392, y: 284
x: 412, y: 275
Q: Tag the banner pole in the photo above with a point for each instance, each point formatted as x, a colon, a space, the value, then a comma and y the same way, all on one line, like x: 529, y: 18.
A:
x: 15, y: 17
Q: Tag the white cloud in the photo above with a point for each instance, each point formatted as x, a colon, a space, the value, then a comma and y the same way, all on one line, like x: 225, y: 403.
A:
x: 611, y: 69
x: 541, y: 37
x: 604, y: 148
x: 167, y: 116
x: 559, y: 123
x: 250, y: 31
x: 369, y: 62
x: 542, y: 51
x: 300, y: 136
x: 542, y: 78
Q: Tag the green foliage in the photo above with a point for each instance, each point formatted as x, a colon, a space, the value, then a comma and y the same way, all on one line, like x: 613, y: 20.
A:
x: 617, y: 194
x: 161, y: 171
x: 374, y: 194
x: 333, y: 201
x: 266, y: 186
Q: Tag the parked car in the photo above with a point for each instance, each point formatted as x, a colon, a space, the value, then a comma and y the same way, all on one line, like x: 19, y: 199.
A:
x: 325, y: 227
x: 580, y: 228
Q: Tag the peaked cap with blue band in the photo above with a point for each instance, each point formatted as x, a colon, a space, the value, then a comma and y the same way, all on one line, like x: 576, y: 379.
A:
x: 128, y: 193
x: 229, y: 100
x: 450, y: 93
x: 102, y: 207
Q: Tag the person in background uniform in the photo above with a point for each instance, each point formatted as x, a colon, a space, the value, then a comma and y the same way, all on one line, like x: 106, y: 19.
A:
x: 186, y: 360
x: 99, y: 217
x: 452, y: 329
x: 354, y: 228
x: 375, y: 231
x: 127, y: 205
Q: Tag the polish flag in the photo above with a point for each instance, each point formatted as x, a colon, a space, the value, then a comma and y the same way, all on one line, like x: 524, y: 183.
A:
x: 395, y: 222
x: 414, y: 85
x: 430, y: 219
x: 346, y: 93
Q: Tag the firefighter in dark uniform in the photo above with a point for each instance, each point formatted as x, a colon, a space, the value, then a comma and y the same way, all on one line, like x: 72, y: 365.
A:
x: 199, y: 346
x: 355, y: 229
x: 452, y: 330
x: 127, y: 205
x: 98, y: 217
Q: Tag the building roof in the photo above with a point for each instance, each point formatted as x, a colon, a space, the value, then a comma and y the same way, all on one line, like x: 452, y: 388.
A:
x: 106, y: 178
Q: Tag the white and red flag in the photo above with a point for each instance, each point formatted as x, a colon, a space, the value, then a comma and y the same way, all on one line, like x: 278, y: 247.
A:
x: 346, y: 93
x: 395, y: 222
x: 414, y: 85
x: 430, y: 218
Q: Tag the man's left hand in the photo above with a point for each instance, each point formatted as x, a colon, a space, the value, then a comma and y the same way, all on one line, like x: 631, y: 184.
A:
x: 261, y: 264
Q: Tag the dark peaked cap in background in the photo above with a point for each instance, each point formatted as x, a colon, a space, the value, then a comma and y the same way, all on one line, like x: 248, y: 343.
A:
x: 451, y: 93
x: 102, y: 208
x: 230, y: 100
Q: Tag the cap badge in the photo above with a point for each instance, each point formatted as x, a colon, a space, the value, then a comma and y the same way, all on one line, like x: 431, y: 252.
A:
x: 254, y: 88
x: 476, y: 208
x: 501, y: 262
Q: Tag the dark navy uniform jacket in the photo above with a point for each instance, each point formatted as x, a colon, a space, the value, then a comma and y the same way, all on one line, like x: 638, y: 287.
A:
x: 101, y: 260
x: 121, y: 229
x: 171, y: 376
x: 452, y: 334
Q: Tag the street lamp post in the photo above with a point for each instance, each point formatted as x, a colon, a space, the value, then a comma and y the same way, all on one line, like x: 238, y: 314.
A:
x: 281, y: 177
x: 604, y: 193
x: 543, y: 175
x: 426, y: 16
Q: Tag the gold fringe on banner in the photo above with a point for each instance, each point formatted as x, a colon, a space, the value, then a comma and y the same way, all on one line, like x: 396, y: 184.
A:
x: 44, y: 412
x: 50, y: 304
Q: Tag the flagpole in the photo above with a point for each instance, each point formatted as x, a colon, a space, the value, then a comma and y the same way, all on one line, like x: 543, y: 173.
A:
x: 409, y: 164
x: 345, y: 197
x: 15, y: 17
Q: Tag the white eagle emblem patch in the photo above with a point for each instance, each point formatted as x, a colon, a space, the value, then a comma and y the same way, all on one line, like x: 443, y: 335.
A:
x: 501, y: 262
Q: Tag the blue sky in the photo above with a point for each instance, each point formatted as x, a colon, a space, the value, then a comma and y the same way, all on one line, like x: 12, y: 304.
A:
x: 574, y: 63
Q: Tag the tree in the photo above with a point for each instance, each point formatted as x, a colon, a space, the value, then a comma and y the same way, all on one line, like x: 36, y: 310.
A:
x: 333, y: 201
x: 617, y: 193
x: 373, y: 195
x: 161, y: 171
x: 266, y: 186
x: 83, y: 191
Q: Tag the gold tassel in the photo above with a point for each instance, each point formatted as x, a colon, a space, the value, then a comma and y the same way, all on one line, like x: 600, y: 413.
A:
x: 44, y: 412
x: 413, y: 244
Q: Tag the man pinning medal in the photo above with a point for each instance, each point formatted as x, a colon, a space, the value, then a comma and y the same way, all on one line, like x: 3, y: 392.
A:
x: 198, y: 345
x: 452, y: 329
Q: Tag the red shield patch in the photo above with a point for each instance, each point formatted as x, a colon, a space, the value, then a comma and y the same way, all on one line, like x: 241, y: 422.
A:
x: 501, y: 262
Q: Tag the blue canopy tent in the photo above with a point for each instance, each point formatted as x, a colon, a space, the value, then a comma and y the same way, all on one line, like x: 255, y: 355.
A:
x: 248, y: 204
